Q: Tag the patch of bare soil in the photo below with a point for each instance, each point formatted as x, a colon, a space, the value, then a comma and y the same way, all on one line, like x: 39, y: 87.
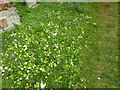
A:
x: 106, y: 11
x: 107, y: 8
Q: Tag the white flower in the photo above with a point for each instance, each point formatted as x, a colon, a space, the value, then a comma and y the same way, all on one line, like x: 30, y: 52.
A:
x: 58, y: 55
x: 27, y: 77
x: 2, y: 74
x: 16, y: 59
x: 48, y: 36
x: 82, y: 32
x: 21, y: 68
x: 54, y: 34
x: 99, y: 78
x: 14, y: 81
x: 71, y: 63
x: 1, y: 68
x: 48, y: 53
x: 43, y: 85
x: 82, y: 80
x: 6, y: 67
x: 28, y: 71
x: 20, y: 78
x: 47, y: 46
x: 94, y: 23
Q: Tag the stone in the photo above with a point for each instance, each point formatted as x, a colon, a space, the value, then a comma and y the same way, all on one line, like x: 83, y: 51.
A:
x: 3, y: 23
x: 5, y: 6
x: 8, y: 17
x: 9, y: 14
x: 31, y: 3
x: 4, y: 1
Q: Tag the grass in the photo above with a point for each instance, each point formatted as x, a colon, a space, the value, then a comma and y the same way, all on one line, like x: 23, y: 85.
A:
x: 70, y: 45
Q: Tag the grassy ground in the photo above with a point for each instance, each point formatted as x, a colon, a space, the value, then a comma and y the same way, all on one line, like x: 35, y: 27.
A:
x: 70, y: 45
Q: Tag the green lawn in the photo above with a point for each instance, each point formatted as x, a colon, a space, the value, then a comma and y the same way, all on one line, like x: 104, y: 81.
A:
x: 62, y: 45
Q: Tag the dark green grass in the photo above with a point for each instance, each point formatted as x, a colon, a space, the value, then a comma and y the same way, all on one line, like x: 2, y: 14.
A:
x: 61, y: 45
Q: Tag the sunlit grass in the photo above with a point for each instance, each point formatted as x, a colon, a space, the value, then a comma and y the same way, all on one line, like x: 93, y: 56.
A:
x: 57, y: 46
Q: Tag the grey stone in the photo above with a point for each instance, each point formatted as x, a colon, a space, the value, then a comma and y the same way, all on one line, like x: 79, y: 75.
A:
x: 4, y: 1
x: 12, y: 17
x: 31, y: 3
